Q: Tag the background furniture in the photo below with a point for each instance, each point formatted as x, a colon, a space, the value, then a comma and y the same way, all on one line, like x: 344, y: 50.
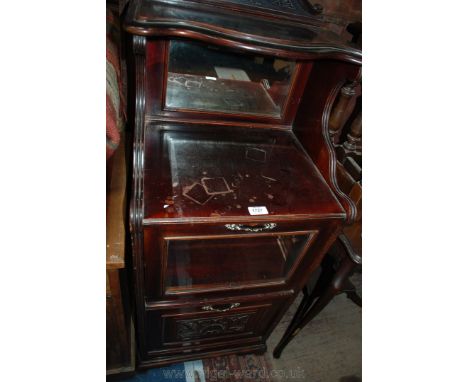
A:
x: 336, y: 269
x: 115, y: 101
x: 120, y: 347
x: 331, y: 279
x: 344, y: 257
x: 234, y: 197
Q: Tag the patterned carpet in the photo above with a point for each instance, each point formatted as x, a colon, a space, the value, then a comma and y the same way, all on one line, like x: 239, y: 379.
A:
x: 327, y: 350
x: 226, y: 369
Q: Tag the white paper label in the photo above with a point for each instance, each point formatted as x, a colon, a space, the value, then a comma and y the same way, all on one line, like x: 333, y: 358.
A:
x: 231, y: 74
x: 258, y: 210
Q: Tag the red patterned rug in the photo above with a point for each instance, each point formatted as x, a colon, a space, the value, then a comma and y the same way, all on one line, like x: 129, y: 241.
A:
x: 234, y: 368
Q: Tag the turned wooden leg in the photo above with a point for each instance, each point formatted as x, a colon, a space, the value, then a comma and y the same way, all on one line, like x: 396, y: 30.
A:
x: 314, y: 308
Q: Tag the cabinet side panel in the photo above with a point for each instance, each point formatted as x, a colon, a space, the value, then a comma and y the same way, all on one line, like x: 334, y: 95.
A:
x: 311, y: 123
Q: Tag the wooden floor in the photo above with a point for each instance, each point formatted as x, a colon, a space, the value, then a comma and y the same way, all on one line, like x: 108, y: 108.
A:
x: 327, y: 350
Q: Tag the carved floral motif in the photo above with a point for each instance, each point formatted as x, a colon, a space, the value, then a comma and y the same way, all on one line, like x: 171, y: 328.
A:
x: 288, y: 4
x: 206, y: 327
x: 284, y: 3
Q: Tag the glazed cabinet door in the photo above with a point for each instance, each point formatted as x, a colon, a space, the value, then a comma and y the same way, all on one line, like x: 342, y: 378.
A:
x: 206, y: 263
x: 223, y: 257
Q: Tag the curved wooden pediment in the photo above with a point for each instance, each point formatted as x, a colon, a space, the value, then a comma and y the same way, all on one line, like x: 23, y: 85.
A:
x: 275, y: 30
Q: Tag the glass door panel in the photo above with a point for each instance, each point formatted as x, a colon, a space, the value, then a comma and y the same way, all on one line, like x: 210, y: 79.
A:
x: 206, y: 78
x: 232, y: 261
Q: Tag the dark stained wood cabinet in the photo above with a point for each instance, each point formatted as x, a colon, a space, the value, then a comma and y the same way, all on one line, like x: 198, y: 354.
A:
x: 235, y: 199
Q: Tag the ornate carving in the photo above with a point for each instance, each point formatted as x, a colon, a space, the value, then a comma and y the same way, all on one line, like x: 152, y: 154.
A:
x: 270, y: 4
x: 284, y: 4
x: 288, y: 4
x: 315, y: 8
x: 206, y: 327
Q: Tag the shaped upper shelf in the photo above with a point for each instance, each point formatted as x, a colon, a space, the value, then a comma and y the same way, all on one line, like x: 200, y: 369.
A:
x: 278, y: 24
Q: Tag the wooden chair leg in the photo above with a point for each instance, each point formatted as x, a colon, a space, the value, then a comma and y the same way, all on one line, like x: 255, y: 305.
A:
x: 354, y: 297
x: 306, y: 301
x: 351, y: 293
x: 296, y: 326
x: 315, y: 307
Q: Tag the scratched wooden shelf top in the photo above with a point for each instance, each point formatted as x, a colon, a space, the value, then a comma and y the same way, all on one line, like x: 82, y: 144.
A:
x: 205, y: 172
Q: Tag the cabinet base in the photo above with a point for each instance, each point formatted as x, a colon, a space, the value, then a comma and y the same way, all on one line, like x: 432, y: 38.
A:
x: 168, y: 360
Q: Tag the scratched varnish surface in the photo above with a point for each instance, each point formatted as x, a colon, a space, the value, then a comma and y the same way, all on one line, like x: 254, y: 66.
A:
x: 213, y: 171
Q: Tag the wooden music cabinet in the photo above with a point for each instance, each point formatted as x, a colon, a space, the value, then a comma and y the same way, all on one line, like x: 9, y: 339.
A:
x: 234, y: 200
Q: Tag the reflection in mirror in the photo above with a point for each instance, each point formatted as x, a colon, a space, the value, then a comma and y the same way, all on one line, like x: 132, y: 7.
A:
x: 207, y: 78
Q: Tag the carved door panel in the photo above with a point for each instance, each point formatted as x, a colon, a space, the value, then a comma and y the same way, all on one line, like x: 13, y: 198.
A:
x: 196, y: 327
x: 211, y: 324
